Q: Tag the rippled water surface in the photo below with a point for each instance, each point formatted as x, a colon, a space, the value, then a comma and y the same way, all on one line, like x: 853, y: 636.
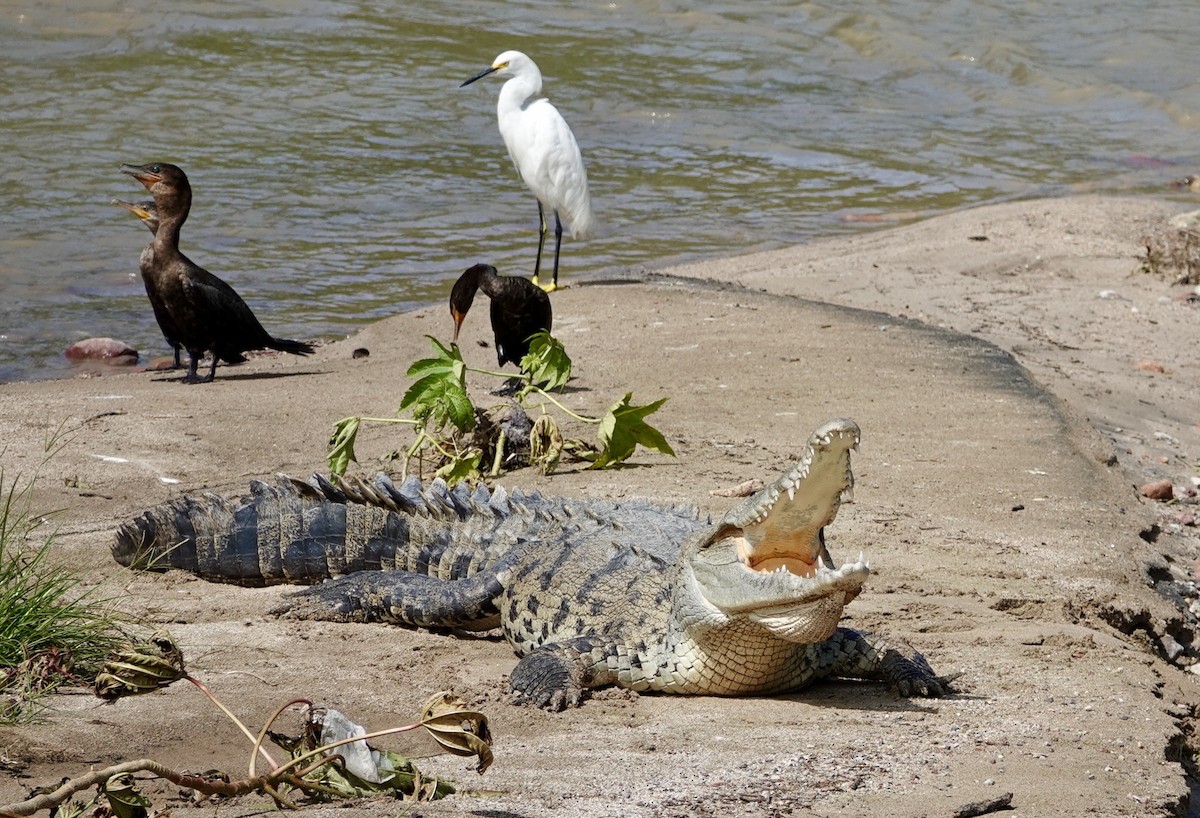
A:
x: 341, y: 175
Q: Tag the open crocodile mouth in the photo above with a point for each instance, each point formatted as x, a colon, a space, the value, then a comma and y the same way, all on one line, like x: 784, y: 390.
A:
x: 796, y: 555
x: 766, y: 559
x: 797, y: 597
x: 780, y: 527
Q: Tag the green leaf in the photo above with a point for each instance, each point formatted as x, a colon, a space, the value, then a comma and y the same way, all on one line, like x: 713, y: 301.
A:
x: 547, y: 362
x: 124, y: 798
x: 405, y: 780
x: 443, y: 359
x: 460, y: 468
x: 439, y: 395
x: 623, y: 428
x: 341, y: 444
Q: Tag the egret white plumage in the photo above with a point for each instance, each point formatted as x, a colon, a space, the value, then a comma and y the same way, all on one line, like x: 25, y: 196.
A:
x: 541, y: 145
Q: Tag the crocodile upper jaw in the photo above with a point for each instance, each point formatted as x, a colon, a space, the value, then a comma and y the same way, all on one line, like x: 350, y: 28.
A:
x: 767, y: 560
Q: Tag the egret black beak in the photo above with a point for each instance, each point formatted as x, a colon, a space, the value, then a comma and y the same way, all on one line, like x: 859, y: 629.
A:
x: 481, y: 75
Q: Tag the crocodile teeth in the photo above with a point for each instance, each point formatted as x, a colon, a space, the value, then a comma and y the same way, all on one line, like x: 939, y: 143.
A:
x: 820, y: 563
x: 792, y: 491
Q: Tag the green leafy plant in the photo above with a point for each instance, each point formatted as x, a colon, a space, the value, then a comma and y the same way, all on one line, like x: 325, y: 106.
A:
x: 53, y: 630
x: 445, y: 417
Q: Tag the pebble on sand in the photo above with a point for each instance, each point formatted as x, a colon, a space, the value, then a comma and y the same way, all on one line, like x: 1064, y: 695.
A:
x: 108, y: 350
x: 1158, y: 490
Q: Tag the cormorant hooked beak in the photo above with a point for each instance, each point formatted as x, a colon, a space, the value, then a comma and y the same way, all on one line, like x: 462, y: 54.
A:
x: 146, y: 174
x: 140, y: 209
x: 458, y: 320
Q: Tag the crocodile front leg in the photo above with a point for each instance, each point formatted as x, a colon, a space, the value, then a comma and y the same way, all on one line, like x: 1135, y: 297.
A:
x: 555, y: 675
x: 853, y: 654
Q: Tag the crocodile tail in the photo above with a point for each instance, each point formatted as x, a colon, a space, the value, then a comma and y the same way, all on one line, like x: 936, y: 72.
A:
x: 166, y: 536
x: 240, y: 541
x: 303, y: 532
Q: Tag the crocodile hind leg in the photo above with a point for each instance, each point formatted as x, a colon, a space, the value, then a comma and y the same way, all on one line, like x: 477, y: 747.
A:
x: 399, y: 597
x: 555, y: 675
x: 853, y: 654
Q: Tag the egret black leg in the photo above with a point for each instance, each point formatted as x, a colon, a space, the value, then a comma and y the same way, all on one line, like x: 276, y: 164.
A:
x: 537, y: 265
x: 557, y: 247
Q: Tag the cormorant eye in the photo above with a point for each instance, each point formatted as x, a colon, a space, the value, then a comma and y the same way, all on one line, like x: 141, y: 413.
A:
x: 156, y: 168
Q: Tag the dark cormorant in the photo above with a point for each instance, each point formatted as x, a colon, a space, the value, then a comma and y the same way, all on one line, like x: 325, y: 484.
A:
x: 149, y: 216
x: 146, y: 211
x: 207, y: 315
x: 520, y: 309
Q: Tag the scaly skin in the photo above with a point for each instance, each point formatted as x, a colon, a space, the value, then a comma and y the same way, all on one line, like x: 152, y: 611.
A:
x: 589, y: 593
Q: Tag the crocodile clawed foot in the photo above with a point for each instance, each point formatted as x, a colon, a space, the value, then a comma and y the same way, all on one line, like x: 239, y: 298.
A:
x: 312, y: 604
x: 912, y: 677
x: 547, y: 679
x: 554, y: 701
x: 934, y: 688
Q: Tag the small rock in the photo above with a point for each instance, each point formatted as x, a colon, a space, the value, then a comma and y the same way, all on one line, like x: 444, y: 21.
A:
x: 1152, y: 366
x: 1171, y: 648
x: 1185, y: 517
x: 360, y: 352
x: 109, y: 350
x: 1158, y: 490
x: 160, y: 363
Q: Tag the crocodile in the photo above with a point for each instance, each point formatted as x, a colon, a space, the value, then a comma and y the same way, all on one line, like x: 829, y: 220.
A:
x: 589, y: 593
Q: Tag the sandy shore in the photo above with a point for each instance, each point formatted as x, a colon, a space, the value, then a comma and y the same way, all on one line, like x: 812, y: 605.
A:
x: 998, y: 361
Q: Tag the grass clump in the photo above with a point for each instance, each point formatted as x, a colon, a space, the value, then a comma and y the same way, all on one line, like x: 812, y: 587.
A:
x: 53, y: 629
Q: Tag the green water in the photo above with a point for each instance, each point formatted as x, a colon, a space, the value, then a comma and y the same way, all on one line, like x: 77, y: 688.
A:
x: 341, y: 175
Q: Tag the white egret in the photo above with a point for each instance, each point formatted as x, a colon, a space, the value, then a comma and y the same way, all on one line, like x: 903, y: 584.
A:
x: 541, y: 145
